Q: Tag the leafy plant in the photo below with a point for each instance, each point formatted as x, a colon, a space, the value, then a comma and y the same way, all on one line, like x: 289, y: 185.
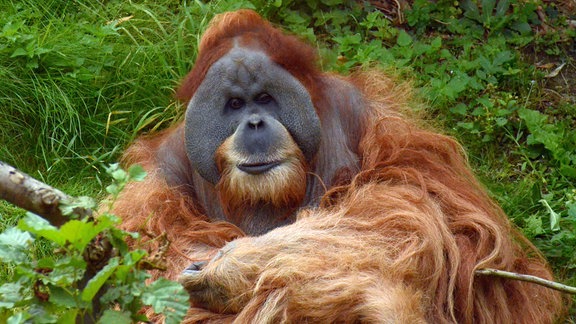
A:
x: 64, y: 287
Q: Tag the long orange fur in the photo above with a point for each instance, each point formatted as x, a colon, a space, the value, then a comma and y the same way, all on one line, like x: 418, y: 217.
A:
x: 396, y: 241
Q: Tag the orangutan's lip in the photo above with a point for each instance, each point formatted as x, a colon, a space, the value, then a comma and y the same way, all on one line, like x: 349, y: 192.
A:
x: 194, y: 269
x: 257, y: 168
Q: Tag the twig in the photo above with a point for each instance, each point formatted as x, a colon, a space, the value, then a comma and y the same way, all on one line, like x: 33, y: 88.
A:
x: 527, y: 278
x: 156, y: 260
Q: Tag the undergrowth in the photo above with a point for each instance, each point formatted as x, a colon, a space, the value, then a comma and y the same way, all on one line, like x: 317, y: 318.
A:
x: 81, y: 79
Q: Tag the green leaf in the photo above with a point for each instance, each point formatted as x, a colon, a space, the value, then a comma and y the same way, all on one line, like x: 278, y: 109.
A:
x: 68, y: 317
x: 403, y: 39
x: 19, y: 318
x: 487, y: 8
x: 41, y: 227
x: 113, y: 189
x: 521, y: 27
x: 554, y: 217
x: 129, y: 263
x: 19, y: 52
x: 503, y: 57
x: 479, y: 111
x: 10, y: 294
x: 15, y: 245
x: 571, y: 206
x: 68, y: 207
x: 136, y: 173
x: 112, y: 167
x: 568, y: 171
x: 99, y: 279
x: 501, y: 121
x: 80, y: 232
x: 436, y: 44
x: 67, y: 270
x: 459, y: 109
x: 332, y: 2
x: 118, y: 239
x: 456, y: 85
x: 502, y: 8
x: 116, y: 317
x: 42, y: 314
x: 533, y: 226
x: 62, y: 297
x: 119, y: 175
x: 542, y: 132
x: 471, y: 10
x: 168, y: 298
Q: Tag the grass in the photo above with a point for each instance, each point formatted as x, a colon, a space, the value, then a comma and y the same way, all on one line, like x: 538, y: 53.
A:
x: 80, y: 83
x: 80, y: 80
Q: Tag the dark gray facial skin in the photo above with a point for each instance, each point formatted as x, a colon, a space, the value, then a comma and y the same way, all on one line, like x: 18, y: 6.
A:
x: 245, y: 91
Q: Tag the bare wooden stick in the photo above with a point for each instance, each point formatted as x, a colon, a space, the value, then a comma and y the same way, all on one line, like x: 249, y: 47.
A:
x: 30, y: 194
x: 528, y: 278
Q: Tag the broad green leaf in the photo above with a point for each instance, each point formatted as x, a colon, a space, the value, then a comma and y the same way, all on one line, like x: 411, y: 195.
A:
x: 19, y: 52
x: 168, y: 298
x: 62, y: 297
x: 43, y: 314
x: 15, y: 245
x: 568, y: 171
x: 501, y: 121
x: 533, y: 226
x: 19, y: 318
x: 68, y: 317
x: 113, y: 189
x: 136, y: 173
x: 478, y: 111
x: 404, y: 39
x: 521, y: 27
x: 10, y: 294
x: 41, y: 227
x: 436, y: 44
x: 129, y: 263
x: 542, y: 132
x: 456, y: 85
x: 503, y: 57
x: 80, y: 232
x: 112, y: 167
x: 119, y: 175
x: 68, y: 207
x: 459, y: 109
x: 571, y: 206
x: 99, y: 279
x: 113, y: 316
x: 67, y: 270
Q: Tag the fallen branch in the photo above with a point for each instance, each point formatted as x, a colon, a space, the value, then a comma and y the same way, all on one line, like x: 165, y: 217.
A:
x: 528, y: 278
x: 32, y: 195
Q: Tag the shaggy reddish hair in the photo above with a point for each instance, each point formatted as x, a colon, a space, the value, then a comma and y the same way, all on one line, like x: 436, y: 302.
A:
x: 396, y: 240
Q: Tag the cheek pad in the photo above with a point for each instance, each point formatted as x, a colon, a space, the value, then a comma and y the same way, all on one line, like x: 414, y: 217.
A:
x: 297, y: 112
x: 205, y: 130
